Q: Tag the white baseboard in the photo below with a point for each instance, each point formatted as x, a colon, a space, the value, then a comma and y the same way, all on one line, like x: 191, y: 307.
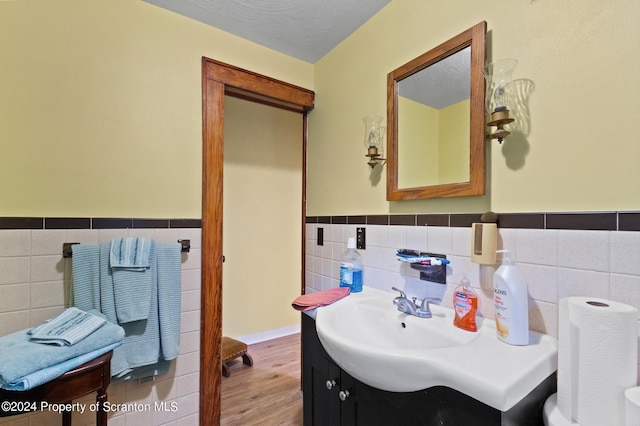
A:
x: 250, y: 339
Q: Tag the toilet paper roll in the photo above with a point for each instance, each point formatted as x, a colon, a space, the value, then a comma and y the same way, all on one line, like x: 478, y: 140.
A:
x: 597, y: 359
x: 632, y: 406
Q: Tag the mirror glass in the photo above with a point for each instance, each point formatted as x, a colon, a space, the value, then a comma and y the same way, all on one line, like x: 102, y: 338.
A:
x: 435, y: 116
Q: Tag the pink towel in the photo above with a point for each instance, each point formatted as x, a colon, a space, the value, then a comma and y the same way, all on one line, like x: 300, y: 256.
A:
x: 321, y: 298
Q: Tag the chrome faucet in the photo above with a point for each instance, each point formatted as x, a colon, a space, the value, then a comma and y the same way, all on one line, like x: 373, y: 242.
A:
x: 404, y: 305
x: 411, y: 307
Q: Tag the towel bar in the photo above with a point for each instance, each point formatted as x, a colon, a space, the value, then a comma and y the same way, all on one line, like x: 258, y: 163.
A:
x: 67, y: 252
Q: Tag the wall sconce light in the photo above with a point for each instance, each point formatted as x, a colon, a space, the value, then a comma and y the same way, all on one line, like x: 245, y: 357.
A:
x: 498, y: 76
x: 373, y: 139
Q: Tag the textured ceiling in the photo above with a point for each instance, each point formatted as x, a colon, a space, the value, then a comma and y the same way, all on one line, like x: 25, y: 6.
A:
x: 303, y: 29
x: 441, y: 84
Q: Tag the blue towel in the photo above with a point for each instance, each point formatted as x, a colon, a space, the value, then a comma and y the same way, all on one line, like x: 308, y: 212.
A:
x: 19, y: 357
x: 47, y: 374
x: 143, y: 344
x: 131, y: 260
x: 169, y: 292
x: 85, y: 270
x: 161, y: 336
x: 67, y: 328
x: 131, y: 253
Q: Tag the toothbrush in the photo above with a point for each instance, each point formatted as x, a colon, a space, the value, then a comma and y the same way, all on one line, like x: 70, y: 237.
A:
x: 433, y: 261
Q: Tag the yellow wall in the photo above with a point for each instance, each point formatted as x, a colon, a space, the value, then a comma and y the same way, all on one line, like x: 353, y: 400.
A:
x: 419, y: 133
x: 92, y: 90
x: 262, y: 218
x: 435, y: 145
x: 454, y: 143
x: 101, y: 106
x: 581, y: 149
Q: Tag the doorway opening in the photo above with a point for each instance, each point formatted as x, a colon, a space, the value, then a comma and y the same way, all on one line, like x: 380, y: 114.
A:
x: 218, y: 80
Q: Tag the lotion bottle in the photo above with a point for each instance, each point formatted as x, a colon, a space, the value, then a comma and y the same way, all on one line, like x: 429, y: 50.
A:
x: 511, y: 303
x: 465, y: 306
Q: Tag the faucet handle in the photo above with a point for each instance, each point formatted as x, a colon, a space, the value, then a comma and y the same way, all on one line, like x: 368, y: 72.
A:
x: 402, y: 295
x: 424, y: 311
x: 424, y: 305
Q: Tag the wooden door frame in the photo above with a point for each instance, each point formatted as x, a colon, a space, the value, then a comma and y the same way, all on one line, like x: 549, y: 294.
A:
x: 220, y: 79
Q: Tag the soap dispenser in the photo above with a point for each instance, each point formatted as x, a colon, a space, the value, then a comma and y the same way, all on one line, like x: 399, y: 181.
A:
x: 484, y: 239
x: 465, y: 306
x: 511, y: 303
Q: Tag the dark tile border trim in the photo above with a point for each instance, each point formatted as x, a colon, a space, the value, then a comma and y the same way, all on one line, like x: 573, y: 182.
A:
x: 94, y: 223
x: 21, y: 223
x: 522, y: 220
x: 67, y: 223
x: 404, y: 219
x: 591, y: 221
x: 629, y: 221
x: 598, y: 221
x: 432, y: 220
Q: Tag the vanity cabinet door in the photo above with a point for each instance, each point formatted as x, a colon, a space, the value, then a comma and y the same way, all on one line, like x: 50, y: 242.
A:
x: 367, y: 406
x: 320, y: 380
x: 331, y: 397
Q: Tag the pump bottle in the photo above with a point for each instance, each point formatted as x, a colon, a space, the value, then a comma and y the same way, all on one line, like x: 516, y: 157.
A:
x: 465, y: 306
x: 511, y: 303
x: 351, y: 267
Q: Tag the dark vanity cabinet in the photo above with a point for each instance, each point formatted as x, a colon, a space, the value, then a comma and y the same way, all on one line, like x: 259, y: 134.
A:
x: 332, y: 397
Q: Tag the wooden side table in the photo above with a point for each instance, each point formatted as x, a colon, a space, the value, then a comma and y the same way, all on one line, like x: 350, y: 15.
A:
x: 93, y: 376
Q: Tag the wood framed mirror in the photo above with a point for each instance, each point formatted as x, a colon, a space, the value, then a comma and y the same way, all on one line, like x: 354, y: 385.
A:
x: 436, y: 121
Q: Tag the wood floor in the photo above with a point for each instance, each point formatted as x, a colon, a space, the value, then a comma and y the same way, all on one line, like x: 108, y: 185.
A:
x: 267, y: 394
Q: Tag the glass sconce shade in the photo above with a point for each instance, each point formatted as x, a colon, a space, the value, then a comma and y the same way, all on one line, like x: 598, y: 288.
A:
x: 499, y: 76
x: 374, y: 132
x: 373, y: 139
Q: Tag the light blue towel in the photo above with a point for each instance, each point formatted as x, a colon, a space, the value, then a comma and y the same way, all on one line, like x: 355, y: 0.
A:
x: 19, y: 357
x: 143, y: 344
x: 131, y: 253
x: 67, y: 328
x: 85, y: 269
x: 168, y: 264
x: 169, y: 292
x: 130, y: 260
x: 47, y: 374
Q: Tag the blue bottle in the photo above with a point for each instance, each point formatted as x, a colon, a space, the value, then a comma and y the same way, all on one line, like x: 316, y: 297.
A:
x: 351, y: 267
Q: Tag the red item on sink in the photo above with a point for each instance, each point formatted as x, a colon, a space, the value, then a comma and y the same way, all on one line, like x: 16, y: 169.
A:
x: 310, y: 301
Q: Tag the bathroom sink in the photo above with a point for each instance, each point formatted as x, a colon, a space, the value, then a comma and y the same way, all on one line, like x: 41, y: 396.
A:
x: 374, y: 320
x: 371, y: 340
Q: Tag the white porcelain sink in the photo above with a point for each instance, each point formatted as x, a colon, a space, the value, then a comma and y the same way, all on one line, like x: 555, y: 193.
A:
x: 389, y: 350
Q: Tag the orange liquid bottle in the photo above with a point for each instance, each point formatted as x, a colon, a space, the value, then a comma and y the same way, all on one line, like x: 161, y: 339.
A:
x: 465, y: 306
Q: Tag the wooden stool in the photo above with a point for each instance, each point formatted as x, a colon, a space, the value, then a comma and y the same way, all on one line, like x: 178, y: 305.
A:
x: 94, y: 376
x: 232, y: 349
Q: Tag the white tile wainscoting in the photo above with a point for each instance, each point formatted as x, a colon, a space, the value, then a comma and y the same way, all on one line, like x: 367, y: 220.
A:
x: 34, y: 283
x: 556, y: 264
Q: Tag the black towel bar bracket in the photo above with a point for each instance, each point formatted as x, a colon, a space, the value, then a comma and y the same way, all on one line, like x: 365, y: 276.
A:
x: 186, y: 245
x: 67, y: 252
